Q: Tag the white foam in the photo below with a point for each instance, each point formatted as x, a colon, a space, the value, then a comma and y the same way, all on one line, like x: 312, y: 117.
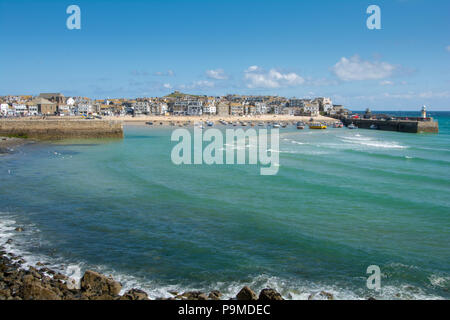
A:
x: 297, y: 289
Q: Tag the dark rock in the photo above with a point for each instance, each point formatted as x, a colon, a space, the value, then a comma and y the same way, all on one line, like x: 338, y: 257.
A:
x: 60, y: 276
x: 33, y: 290
x: 321, y: 296
x: 134, y: 294
x: 371, y: 298
x: 246, y: 294
x: 194, y: 295
x: 40, y: 264
x: 9, y: 241
x: 174, y: 293
x: 214, y: 295
x: 270, y: 294
x: 19, y: 229
x: 5, y: 294
x: 97, y: 284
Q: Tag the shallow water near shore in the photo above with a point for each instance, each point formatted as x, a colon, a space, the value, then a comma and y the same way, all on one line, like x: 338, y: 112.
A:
x: 342, y: 200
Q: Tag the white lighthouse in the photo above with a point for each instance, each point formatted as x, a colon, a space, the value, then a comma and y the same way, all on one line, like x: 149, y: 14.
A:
x: 424, y: 112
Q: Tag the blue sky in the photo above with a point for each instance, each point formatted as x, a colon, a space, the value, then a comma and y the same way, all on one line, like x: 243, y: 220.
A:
x: 289, y: 48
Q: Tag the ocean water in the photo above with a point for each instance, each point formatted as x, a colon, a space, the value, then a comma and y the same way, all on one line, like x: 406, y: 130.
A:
x: 342, y: 200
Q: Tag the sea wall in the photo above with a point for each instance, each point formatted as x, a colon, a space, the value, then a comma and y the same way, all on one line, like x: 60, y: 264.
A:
x: 58, y: 129
x: 408, y: 126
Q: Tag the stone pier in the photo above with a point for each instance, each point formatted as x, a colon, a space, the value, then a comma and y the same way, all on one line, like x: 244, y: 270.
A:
x: 58, y: 129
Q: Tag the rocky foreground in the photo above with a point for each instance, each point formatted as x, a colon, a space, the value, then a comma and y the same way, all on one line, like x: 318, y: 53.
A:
x: 41, y: 283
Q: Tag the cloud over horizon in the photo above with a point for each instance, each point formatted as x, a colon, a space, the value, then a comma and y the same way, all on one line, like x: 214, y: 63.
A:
x: 218, y: 74
x: 356, y: 69
x: 257, y: 77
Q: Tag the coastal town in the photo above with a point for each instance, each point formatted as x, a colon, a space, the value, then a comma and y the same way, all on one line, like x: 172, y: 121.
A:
x: 175, y: 104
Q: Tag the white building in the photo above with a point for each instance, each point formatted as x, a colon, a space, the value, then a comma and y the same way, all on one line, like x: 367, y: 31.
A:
x: 70, y: 101
x: 4, y: 108
x: 83, y: 108
x: 33, y: 110
x: 20, y: 109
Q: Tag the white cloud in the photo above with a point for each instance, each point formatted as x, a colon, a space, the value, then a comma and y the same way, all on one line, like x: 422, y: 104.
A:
x: 201, y: 84
x: 168, y: 73
x: 419, y: 95
x: 386, y: 83
x: 167, y: 86
x: 356, y: 69
x: 257, y: 77
x: 217, y: 74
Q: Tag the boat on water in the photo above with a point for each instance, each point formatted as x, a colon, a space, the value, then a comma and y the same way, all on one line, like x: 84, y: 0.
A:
x: 283, y: 125
x: 244, y: 124
x: 318, y: 126
x: 149, y: 123
x: 374, y: 127
x: 300, y: 125
x: 276, y: 125
x: 338, y: 125
x: 209, y: 123
x: 261, y: 124
x: 352, y: 126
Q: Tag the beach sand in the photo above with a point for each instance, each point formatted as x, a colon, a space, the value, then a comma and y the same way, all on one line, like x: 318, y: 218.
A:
x: 184, y: 119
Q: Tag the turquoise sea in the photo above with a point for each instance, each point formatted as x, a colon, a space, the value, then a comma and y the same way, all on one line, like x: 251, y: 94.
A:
x: 342, y: 200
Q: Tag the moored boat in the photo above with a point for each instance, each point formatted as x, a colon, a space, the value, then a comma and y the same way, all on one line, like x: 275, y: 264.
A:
x: 352, y: 126
x: 319, y: 126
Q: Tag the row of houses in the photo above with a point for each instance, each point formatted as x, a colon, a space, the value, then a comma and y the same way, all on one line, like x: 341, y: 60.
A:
x: 174, y: 104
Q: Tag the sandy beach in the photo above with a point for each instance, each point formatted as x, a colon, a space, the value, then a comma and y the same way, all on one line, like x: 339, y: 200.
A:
x: 138, y: 120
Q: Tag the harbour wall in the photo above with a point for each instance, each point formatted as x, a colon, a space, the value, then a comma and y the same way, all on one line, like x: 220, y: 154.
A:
x: 58, y: 129
x: 409, y: 126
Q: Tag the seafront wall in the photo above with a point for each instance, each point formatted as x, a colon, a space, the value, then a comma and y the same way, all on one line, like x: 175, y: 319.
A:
x: 396, y: 125
x: 58, y: 129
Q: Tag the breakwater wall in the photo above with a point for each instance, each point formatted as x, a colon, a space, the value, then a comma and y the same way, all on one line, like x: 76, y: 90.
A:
x: 58, y: 129
x: 410, y: 126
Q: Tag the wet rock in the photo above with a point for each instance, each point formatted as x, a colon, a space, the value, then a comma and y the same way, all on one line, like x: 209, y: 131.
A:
x: 72, y: 284
x: 371, y: 298
x: 60, y: 276
x: 174, y: 293
x: 194, y: 295
x: 246, y: 294
x: 33, y: 290
x: 270, y: 294
x: 322, y: 295
x: 5, y: 294
x: 134, y: 294
x: 40, y: 264
x: 215, y: 295
x: 97, y: 284
x: 19, y: 229
x: 9, y: 241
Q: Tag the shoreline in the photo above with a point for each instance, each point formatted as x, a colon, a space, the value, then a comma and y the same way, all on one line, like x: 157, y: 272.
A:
x: 40, y: 282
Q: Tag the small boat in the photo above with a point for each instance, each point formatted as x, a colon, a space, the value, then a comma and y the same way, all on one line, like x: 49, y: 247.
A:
x: 261, y: 124
x: 276, y: 125
x: 209, y: 123
x: 149, y: 123
x: 374, y: 127
x: 352, y: 126
x: 244, y: 124
x: 319, y: 126
x: 283, y: 125
x: 338, y: 125
x: 300, y: 126
x: 234, y: 124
